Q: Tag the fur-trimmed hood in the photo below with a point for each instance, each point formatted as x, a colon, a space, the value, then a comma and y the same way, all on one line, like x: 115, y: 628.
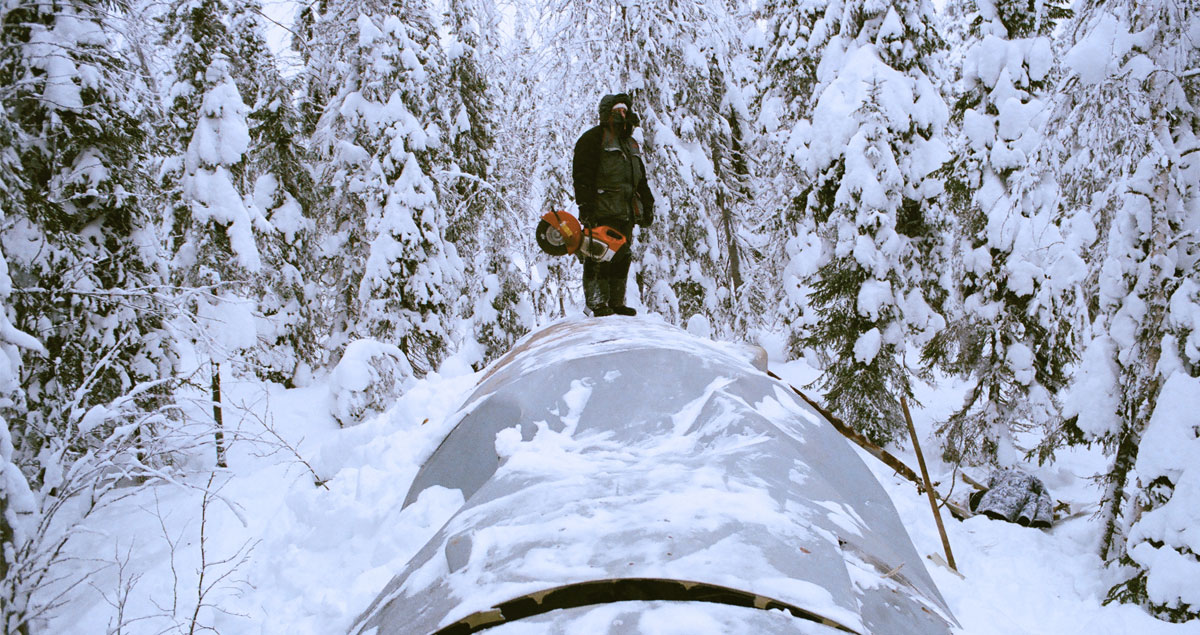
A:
x: 608, y: 101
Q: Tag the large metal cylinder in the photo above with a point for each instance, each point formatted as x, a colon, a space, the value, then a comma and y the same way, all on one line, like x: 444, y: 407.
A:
x: 619, y: 470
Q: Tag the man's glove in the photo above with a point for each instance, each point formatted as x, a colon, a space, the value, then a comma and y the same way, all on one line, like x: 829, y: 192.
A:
x: 646, y: 218
x: 585, y: 214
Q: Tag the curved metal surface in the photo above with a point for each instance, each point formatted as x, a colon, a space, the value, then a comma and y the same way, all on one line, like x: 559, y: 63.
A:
x: 624, y: 448
x: 635, y: 618
x: 595, y: 592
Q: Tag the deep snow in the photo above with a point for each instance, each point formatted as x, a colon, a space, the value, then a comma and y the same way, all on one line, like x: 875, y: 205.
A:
x: 288, y: 556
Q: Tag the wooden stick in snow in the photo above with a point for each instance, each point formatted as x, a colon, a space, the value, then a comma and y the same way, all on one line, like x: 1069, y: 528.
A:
x: 218, y: 419
x: 883, y: 455
x: 937, y: 516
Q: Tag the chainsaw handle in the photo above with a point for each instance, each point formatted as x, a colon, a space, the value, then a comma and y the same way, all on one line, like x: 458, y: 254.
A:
x: 609, y: 233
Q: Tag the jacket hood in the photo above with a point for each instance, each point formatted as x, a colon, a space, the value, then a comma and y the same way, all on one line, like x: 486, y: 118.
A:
x: 608, y: 101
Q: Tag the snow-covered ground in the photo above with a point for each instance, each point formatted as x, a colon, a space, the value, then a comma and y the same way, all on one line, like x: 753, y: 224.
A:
x: 282, y: 554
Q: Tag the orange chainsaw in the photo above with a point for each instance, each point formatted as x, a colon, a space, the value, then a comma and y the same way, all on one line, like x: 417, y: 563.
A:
x: 559, y: 233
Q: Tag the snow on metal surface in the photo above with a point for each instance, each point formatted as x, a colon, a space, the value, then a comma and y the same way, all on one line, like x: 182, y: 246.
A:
x: 627, y: 448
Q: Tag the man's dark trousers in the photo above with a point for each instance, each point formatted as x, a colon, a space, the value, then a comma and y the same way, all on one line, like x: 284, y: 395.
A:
x: 604, y: 282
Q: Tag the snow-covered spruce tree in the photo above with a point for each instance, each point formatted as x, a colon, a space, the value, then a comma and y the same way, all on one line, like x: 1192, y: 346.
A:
x: 466, y: 188
x: 694, y: 111
x: 537, y: 130
x: 212, y: 223
x: 736, y: 193
x: 78, y: 270
x: 17, y: 501
x: 875, y: 138
x: 1013, y: 267
x: 791, y: 249
x: 1130, y: 177
x: 379, y: 143
x: 502, y: 312
x: 76, y: 238
x: 1160, y: 561
x: 212, y: 231
x: 277, y: 176
x: 506, y: 264
x: 481, y: 224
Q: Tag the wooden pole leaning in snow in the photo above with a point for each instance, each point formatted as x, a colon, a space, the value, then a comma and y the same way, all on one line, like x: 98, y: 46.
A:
x: 937, y: 516
x: 884, y: 456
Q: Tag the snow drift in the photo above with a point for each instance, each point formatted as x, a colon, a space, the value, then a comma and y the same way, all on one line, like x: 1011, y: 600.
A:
x: 620, y: 473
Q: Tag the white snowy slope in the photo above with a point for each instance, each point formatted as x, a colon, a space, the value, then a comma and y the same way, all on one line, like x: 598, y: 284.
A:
x: 608, y: 460
x: 1014, y: 580
x: 317, y: 557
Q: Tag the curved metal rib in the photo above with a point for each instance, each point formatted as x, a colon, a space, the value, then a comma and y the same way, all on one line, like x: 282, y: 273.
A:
x: 623, y: 590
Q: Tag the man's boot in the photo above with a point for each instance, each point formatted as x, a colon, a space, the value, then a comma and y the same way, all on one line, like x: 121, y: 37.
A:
x: 595, y: 297
x: 616, y: 297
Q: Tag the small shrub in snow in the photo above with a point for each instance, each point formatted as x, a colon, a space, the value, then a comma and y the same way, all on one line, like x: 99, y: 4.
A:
x: 1163, y: 541
x: 369, y: 377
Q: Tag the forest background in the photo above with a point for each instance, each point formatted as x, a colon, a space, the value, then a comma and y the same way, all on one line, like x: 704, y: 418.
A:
x: 1005, y: 193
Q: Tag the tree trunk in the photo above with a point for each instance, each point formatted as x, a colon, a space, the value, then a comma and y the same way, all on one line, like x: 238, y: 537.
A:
x: 741, y: 173
x: 725, y: 207
x: 10, y: 607
x: 1114, y: 494
x: 6, y: 537
x: 1139, y: 398
x: 218, y: 418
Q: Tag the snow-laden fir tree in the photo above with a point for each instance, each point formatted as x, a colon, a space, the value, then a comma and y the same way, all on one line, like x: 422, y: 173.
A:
x: 467, y: 191
x: 791, y: 249
x: 218, y: 250
x: 18, y: 504
x: 694, y: 104
x: 213, y: 225
x: 507, y: 260
x: 1145, y: 352
x: 77, y: 272
x: 379, y: 141
x: 1130, y: 176
x: 481, y: 219
x: 736, y: 194
x: 502, y: 311
x: 1160, y: 563
x: 277, y: 178
x: 213, y: 232
x: 77, y: 238
x: 875, y: 138
x: 1014, y: 272
x: 536, y: 130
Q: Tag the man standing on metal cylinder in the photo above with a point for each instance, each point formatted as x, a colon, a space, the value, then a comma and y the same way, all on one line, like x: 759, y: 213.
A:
x: 611, y: 190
